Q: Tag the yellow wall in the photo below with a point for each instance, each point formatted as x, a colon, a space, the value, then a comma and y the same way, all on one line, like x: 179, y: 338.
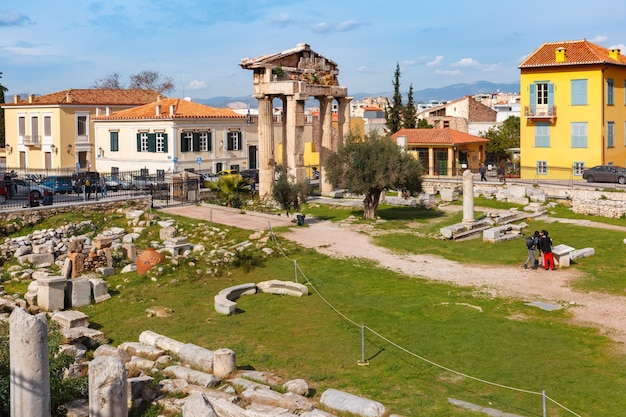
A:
x: 560, y: 155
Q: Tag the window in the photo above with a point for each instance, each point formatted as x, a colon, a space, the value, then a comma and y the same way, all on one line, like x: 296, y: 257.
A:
x: 234, y: 140
x: 47, y: 126
x: 579, y: 167
x: 21, y: 126
x: 81, y: 125
x: 152, y: 142
x: 579, y: 134
x: 579, y: 92
x: 542, y: 93
x: 34, y: 128
x: 160, y: 142
x: 609, y: 91
x: 542, y: 135
x: 542, y: 167
x: 204, y: 141
x: 143, y: 142
x: 186, y: 142
x: 114, y: 141
x: 610, y: 134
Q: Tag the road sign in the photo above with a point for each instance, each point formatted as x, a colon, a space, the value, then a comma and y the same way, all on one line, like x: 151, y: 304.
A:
x: 175, y: 159
x: 199, y: 160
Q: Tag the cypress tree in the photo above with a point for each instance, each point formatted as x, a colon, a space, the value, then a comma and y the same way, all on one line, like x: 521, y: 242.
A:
x: 393, y: 112
x: 409, y: 112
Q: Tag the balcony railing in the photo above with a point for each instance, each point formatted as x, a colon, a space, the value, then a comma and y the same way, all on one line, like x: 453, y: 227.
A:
x: 33, y: 140
x: 540, y: 113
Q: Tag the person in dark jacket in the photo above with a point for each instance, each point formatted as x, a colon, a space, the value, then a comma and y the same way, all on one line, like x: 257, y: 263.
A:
x: 545, y: 245
x: 531, y: 244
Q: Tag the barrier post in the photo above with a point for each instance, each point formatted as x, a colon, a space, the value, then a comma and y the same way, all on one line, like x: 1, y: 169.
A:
x: 363, y: 362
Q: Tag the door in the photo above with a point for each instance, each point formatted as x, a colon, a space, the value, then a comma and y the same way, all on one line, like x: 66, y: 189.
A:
x: 252, y: 156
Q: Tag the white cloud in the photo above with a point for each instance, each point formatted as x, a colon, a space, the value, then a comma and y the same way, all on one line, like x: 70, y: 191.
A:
x: 321, y: 27
x: 347, y: 25
x: 448, y: 72
x: 362, y: 68
x: 491, y: 67
x: 197, y: 85
x: 599, y: 39
x: 435, y: 61
x: 465, y: 62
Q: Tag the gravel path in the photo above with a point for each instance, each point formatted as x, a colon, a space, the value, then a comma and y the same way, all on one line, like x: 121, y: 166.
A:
x: 606, y: 312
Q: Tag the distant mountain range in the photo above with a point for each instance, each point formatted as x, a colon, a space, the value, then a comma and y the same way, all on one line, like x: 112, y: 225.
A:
x: 447, y: 93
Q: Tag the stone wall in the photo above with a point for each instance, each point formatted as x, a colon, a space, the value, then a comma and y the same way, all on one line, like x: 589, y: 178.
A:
x: 13, y: 221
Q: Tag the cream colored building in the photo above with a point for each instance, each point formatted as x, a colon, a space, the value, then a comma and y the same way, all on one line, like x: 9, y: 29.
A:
x: 55, y: 131
x: 173, y: 135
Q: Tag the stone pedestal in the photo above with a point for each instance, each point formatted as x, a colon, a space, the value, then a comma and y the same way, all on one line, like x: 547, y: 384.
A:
x: 224, y: 363
x: 107, y: 387
x: 78, y: 263
x: 51, y: 293
x: 30, y: 372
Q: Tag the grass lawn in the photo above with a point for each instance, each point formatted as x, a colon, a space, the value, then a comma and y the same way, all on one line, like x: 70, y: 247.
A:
x: 497, y: 340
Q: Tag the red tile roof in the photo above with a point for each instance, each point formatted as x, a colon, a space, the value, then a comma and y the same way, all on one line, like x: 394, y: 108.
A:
x: 427, y: 137
x: 92, y: 97
x: 581, y: 52
x: 183, y: 109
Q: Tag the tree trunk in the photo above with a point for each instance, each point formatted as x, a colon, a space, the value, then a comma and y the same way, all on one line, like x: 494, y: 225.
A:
x: 370, y: 205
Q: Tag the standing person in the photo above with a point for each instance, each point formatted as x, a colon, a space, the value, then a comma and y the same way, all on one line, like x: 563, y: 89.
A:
x: 545, y: 245
x: 87, y: 185
x: 103, y: 186
x: 483, y: 172
x: 531, y: 245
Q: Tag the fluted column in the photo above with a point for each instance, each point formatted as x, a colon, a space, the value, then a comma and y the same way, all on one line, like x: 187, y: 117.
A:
x: 326, y: 125
x: 266, y: 146
x: 343, y: 126
x: 295, y: 138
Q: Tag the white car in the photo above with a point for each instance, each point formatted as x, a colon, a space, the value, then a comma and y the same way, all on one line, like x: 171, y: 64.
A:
x: 23, y: 189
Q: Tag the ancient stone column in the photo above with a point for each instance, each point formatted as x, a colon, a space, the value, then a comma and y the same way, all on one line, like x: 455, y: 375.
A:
x: 266, y: 146
x: 431, y: 162
x: 30, y: 367
x: 294, y: 129
x: 468, y: 197
x: 224, y: 363
x: 343, y: 125
x: 326, y: 126
x: 107, y: 388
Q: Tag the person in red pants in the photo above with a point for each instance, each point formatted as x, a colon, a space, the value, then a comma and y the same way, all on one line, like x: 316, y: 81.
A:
x: 545, y: 245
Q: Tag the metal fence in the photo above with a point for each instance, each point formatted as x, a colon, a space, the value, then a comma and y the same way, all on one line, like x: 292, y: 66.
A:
x: 33, y: 188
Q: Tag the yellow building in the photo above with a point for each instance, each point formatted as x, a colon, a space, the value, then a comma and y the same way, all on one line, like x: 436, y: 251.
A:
x: 573, y: 95
x: 55, y: 131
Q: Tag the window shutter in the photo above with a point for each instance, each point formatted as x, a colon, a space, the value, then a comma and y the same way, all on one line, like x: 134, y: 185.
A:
x: 151, y: 142
x: 114, y: 142
x: 209, y: 140
x: 138, y: 142
x: 165, y: 142
x: 196, y: 141
x: 182, y: 143
x: 230, y: 141
x: 533, y: 98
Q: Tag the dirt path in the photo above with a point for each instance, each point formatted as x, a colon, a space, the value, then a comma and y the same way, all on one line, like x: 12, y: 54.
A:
x: 606, y: 312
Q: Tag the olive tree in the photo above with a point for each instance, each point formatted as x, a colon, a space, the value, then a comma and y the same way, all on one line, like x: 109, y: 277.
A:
x: 369, y: 166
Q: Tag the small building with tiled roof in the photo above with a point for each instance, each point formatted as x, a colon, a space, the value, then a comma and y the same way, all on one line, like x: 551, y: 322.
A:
x: 55, y: 131
x: 465, y: 114
x: 173, y: 135
x: 586, y: 83
x: 443, y: 152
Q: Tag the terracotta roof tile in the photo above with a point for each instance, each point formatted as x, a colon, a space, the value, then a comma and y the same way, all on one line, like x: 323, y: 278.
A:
x: 437, y: 137
x: 92, y: 97
x: 183, y: 109
x: 580, y: 52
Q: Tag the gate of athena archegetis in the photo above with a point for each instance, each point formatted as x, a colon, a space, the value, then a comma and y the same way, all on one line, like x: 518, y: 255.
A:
x: 294, y: 76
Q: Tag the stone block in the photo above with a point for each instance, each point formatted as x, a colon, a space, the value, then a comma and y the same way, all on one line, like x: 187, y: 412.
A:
x: 192, y: 376
x: 99, y: 289
x: 101, y: 242
x: 168, y: 232
x: 107, y: 387
x: 345, y: 402
x: 141, y: 350
x: 130, y: 251
x: 78, y: 263
x: 582, y: 253
x: 51, y: 293
x: 71, y: 318
x: 78, y: 292
x: 106, y: 271
x: 66, y: 271
x: 38, y: 259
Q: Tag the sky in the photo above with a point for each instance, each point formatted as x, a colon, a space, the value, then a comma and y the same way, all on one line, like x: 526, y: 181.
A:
x: 49, y: 46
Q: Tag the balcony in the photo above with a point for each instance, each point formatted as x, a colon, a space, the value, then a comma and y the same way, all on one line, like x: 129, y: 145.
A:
x: 540, y: 113
x: 31, y: 140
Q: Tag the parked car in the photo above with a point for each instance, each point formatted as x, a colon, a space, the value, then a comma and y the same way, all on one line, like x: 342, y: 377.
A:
x: 605, y: 173
x: 142, y: 183
x: 61, y: 184
x: 115, y: 183
x: 228, y: 172
x: 24, y: 189
x: 252, y: 175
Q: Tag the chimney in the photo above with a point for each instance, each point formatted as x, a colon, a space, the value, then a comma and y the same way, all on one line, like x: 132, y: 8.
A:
x: 172, y: 110
x: 30, y: 99
x: 159, y: 97
x: 615, y: 53
x: 560, y: 54
x: 16, y: 99
x: 158, y: 110
x: 68, y: 97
